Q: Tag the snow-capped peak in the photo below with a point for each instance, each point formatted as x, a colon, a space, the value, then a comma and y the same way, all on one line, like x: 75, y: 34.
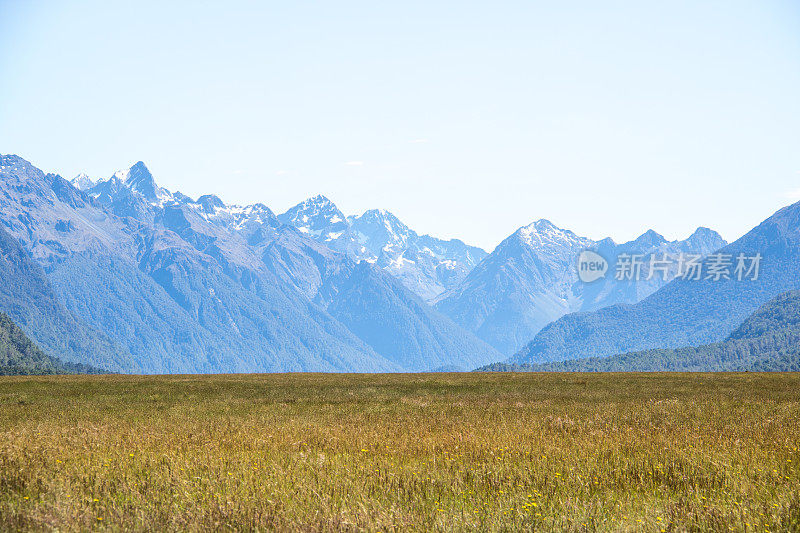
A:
x: 235, y: 217
x: 210, y: 203
x: 318, y: 199
x: 83, y: 182
x: 386, y: 219
x: 316, y: 215
x: 544, y: 234
x: 314, y: 205
x: 378, y: 228
x: 424, y: 264
x: 122, y: 175
x: 136, y: 178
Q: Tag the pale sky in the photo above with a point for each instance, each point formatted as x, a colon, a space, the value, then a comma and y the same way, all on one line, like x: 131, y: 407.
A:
x: 465, y: 119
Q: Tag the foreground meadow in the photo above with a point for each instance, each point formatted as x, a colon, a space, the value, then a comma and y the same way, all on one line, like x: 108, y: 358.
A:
x: 583, y: 452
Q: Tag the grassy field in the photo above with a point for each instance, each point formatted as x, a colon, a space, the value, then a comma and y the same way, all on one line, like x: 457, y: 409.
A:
x: 583, y: 452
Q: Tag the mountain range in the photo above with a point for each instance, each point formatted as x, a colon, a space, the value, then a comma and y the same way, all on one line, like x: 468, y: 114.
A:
x: 181, y: 285
x: 531, y: 279
x: 127, y: 276
x: 426, y: 265
x: 685, y: 312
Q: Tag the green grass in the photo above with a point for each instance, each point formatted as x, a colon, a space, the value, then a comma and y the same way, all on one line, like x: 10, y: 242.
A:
x: 425, y: 452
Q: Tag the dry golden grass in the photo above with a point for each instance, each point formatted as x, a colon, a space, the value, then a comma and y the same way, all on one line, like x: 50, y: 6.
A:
x: 579, y: 452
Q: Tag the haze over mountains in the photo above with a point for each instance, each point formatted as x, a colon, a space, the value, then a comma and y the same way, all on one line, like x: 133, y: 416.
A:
x: 125, y: 275
x: 200, y: 286
x: 531, y: 279
x: 684, y: 312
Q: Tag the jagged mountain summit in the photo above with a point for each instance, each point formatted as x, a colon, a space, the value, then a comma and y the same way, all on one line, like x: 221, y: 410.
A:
x: 83, y: 182
x: 317, y: 217
x: 189, y: 285
x: 531, y: 279
x: 426, y: 265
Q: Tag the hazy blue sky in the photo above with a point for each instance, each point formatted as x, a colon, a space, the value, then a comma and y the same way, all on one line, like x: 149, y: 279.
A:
x: 466, y: 119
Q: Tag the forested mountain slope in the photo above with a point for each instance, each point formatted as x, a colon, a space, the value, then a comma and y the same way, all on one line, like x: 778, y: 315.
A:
x: 768, y: 340
x: 685, y: 312
x: 19, y: 355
